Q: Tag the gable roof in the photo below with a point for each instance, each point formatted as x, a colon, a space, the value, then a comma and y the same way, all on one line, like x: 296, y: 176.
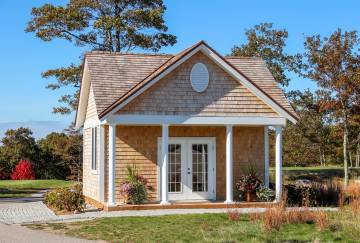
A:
x: 116, y: 77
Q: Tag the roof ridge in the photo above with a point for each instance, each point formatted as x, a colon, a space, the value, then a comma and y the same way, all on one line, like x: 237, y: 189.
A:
x: 243, y: 57
x: 127, y: 54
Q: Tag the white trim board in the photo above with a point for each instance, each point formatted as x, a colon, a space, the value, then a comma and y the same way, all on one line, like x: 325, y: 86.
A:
x: 226, y: 67
x: 84, y: 97
x: 194, y: 120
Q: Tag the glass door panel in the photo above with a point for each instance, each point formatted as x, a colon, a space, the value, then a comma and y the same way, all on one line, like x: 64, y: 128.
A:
x: 199, y: 167
x: 174, y: 171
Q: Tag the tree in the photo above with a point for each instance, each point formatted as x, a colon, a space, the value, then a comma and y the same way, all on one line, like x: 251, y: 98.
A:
x: 268, y: 43
x: 109, y: 25
x: 18, y: 144
x: 61, y: 155
x: 312, y: 134
x: 333, y: 62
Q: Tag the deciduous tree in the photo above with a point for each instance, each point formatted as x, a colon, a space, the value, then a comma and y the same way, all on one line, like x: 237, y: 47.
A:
x: 334, y: 63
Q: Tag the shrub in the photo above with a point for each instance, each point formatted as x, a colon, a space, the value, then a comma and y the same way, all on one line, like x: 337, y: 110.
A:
x: 313, y: 194
x: 68, y: 199
x: 233, y: 215
x: 134, y: 189
x: 265, y: 194
x: 23, y: 171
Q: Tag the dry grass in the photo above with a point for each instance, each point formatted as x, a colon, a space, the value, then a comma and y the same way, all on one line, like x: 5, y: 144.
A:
x: 321, y: 219
x: 277, y: 216
x: 233, y: 215
x: 273, y: 218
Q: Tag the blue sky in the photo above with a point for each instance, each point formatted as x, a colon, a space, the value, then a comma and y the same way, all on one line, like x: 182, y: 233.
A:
x: 219, y: 22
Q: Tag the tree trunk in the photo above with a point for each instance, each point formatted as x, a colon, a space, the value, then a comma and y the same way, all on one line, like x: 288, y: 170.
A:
x: 345, y: 144
x: 321, y: 156
x: 350, y: 158
x: 357, y: 160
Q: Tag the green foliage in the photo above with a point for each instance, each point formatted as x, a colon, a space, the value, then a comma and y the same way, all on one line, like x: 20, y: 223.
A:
x: 17, y: 144
x: 268, y: 43
x: 57, y: 156
x: 61, y: 155
x: 110, y: 25
x: 69, y: 199
x: 265, y: 194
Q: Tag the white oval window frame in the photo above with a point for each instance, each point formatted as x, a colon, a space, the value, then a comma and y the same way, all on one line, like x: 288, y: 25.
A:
x: 199, y: 77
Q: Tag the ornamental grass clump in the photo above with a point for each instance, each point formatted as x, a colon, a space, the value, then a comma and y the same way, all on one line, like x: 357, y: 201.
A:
x: 134, y: 189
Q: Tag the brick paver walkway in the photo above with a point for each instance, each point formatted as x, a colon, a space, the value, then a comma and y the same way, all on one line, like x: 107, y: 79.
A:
x: 17, y: 213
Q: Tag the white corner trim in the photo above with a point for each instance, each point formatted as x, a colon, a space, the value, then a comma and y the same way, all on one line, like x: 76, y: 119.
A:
x: 195, y: 120
x: 226, y: 67
x: 84, y: 97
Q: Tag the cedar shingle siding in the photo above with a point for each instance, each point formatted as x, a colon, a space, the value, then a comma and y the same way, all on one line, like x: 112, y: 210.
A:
x: 137, y: 145
x: 174, y: 95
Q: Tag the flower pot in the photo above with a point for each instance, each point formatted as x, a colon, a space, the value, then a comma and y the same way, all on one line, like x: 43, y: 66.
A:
x: 250, y: 196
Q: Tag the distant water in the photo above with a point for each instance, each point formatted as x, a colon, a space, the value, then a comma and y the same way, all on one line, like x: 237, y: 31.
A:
x: 39, y: 128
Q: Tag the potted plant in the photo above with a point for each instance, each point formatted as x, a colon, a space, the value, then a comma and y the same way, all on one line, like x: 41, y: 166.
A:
x: 248, y: 184
x: 134, y: 189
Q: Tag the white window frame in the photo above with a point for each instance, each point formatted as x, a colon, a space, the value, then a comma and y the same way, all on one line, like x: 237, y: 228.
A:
x: 94, y: 150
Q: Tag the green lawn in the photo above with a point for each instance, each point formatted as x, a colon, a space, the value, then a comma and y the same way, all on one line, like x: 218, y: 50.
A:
x: 192, y: 228
x: 24, y: 188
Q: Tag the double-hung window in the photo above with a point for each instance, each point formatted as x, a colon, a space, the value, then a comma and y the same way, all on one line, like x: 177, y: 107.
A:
x: 94, y: 147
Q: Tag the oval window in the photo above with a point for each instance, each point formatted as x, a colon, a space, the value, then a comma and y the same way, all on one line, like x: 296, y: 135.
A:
x: 199, y: 77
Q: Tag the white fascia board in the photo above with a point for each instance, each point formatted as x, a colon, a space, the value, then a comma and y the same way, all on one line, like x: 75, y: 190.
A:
x: 84, y: 97
x: 194, y: 120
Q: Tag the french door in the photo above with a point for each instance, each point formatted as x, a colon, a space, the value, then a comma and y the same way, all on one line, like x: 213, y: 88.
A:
x: 191, y: 168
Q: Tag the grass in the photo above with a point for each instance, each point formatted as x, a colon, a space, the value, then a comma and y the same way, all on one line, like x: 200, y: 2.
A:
x: 315, y: 173
x: 24, y: 188
x: 193, y: 228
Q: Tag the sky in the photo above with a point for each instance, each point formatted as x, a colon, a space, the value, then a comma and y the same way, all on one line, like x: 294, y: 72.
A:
x: 221, y: 23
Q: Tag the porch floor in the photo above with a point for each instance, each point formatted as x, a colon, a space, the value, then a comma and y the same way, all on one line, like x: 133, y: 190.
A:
x: 190, y: 205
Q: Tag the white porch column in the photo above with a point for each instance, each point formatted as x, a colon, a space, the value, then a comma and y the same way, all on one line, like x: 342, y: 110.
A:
x: 164, y: 165
x: 102, y: 164
x: 266, y: 156
x: 111, y: 182
x: 278, y: 162
x: 229, y: 164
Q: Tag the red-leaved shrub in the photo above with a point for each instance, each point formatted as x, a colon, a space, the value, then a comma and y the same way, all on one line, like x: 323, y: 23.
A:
x: 23, y: 171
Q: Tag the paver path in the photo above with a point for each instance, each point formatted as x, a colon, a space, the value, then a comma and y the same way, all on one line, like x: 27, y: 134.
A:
x: 19, y: 234
x: 17, y: 213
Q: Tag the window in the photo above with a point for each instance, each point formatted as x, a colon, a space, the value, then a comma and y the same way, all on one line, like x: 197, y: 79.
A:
x: 199, y: 77
x: 94, y: 141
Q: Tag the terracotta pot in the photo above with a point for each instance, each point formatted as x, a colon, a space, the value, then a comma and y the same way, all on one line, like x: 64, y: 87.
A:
x: 250, y: 196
